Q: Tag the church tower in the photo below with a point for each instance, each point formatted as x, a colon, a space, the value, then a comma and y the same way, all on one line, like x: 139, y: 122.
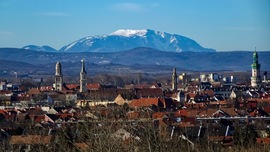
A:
x: 83, y: 78
x: 256, y: 78
x: 58, y: 79
x: 174, y: 80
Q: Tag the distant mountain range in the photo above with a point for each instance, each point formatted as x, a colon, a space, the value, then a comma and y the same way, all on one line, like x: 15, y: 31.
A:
x: 127, y: 51
x: 122, y: 40
x: 138, y: 59
x: 44, y: 48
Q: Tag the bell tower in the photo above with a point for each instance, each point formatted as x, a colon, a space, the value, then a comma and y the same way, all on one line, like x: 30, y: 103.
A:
x: 58, y: 78
x: 83, y: 78
x: 174, y: 80
x: 255, y: 78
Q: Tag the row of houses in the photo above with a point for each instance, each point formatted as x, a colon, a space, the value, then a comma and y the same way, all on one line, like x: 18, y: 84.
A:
x: 199, y: 109
x: 217, y: 124
x: 194, y: 92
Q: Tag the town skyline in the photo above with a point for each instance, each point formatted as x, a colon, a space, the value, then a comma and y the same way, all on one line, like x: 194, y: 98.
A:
x: 177, y: 76
x: 224, y: 26
x: 181, y: 112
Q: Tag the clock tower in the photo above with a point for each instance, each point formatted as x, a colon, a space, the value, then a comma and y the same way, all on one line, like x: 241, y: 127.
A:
x: 255, y: 78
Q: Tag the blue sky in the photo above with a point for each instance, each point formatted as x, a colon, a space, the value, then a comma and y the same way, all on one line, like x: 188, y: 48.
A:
x: 224, y: 25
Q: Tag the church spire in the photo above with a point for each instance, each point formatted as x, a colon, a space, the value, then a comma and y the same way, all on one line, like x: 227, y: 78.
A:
x: 255, y: 56
x: 83, y: 66
x: 83, y: 78
x: 58, y: 78
x: 58, y: 68
x: 174, y: 80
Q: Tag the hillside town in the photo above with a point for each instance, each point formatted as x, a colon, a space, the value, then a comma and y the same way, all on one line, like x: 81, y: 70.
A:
x: 210, y: 108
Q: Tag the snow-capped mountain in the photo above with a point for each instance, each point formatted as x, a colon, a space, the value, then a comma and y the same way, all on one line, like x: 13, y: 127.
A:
x: 44, y: 48
x: 121, y: 40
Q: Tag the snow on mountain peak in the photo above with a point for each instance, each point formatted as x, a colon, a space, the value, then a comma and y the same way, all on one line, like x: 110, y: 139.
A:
x: 44, y: 48
x: 126, y: 39
x: 129, y: 33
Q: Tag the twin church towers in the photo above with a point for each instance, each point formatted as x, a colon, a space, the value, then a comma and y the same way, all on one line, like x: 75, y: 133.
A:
x: 58, y: 79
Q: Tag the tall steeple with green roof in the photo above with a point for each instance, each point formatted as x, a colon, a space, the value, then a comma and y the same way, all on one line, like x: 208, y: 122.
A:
x: 256, y: 78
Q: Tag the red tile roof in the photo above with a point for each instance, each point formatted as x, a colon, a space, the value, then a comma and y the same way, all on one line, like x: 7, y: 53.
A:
x: 72, y: 86
x: 223, y: 102
x: 209, y: 112
x: 158, y: 115
x: 34, y: 91
x: 181, y: 113
x: 93, y: 86
x: 230, y: 111
x: 146, y: 102
x: 195, y: 105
